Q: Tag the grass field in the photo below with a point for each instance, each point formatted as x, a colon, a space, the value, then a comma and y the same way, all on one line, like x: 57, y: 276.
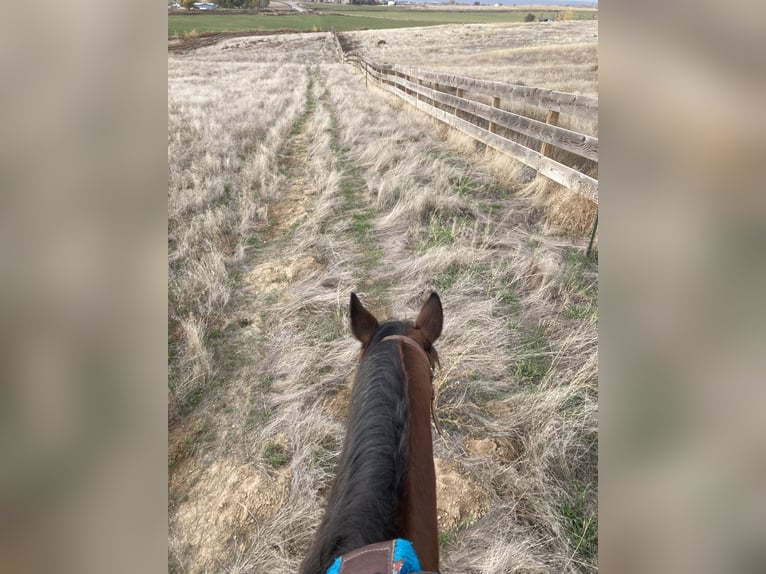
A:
x: 291, y: 184
x: 344, y: 18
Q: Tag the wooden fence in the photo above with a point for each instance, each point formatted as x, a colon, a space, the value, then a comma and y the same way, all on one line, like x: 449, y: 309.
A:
x: 457, y: 101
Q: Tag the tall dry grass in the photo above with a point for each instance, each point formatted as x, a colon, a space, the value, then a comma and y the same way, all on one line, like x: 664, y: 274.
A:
x: 359, y: 192
x: 556, y: 55
x: 227, y: 122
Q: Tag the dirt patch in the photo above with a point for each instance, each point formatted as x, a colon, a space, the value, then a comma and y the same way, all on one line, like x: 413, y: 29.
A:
x: 229, y: 498
x: 273, y: 275
x: 458, y: 498
x: 182, y: 440
x: 337, y: 402
x: 496, y: 448
x: 287, y: 213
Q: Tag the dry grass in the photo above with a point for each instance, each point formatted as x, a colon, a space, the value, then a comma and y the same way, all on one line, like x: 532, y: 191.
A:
x: 334, y: 187
x: 556, y: 55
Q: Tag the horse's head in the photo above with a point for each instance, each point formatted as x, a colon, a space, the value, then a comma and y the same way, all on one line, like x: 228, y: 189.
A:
x: 385, y: 482
x: 412, y: 343
x: 425, y: 331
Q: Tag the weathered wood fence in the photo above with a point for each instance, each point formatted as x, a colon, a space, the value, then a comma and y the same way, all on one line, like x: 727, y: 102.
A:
x: 457, y: 101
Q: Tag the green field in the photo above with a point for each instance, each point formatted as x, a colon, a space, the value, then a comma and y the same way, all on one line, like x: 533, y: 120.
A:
x: 345, y: 17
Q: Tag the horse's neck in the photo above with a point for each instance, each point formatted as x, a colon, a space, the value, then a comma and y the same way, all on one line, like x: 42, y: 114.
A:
x: 419, y: 503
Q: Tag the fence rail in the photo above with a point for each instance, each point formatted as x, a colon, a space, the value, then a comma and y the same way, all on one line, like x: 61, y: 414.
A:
x: 455, y: 100
x: 582, y: 106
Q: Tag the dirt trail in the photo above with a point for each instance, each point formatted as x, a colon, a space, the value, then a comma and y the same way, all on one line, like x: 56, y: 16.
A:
x: 291, y: 208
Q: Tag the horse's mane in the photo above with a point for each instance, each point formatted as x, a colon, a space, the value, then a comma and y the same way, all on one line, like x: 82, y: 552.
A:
x: 363, y: 506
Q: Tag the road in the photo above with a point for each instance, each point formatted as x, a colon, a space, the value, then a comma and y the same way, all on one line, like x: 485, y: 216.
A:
x: 295, y: 6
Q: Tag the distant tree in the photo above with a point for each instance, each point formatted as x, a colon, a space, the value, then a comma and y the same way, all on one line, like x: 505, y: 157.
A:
x: 477, y: 3
x: 188, y: 3
x: 530, y: 17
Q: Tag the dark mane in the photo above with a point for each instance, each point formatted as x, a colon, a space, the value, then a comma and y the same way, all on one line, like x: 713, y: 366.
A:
x: 363, y: 506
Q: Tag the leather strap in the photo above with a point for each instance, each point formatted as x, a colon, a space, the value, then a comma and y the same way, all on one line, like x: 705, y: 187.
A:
x: 371, y: 559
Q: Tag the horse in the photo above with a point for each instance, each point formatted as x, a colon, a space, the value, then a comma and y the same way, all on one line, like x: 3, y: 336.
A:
x: 384, y: 490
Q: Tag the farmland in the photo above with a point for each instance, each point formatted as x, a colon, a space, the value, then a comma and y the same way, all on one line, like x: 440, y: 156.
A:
x: 292, y: 184
x: 347, y: 17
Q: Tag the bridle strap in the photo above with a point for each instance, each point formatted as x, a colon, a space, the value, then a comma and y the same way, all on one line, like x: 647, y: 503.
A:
x: 410, y: 342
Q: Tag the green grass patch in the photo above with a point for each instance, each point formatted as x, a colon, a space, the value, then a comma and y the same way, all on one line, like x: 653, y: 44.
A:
x: 325, y: 455
x: 534, y: 362
x: 507, y: 296
x: 361, y: 225
x: 580, y: 280
x: 342, y: 18
x: 439, y: 232
x: 275, y: 455
x: 464, y: 186
x: 580, y: 522
x: 447, y: 278
x: 578, y: 311
x: 577, y: 266
x: 311, y: 104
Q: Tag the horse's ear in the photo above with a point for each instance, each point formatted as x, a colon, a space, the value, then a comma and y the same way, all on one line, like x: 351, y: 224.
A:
x: 430, y: 318
x: 363, y: 323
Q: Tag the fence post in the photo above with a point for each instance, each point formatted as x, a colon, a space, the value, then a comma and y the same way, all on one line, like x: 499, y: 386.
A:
x: 495, y: 104
x: 458, y: 93
x: 592, y: 236
x: 553, y: 119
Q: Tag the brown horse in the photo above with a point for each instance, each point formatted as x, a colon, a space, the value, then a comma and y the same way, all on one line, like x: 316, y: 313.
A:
x: 385, y: 484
